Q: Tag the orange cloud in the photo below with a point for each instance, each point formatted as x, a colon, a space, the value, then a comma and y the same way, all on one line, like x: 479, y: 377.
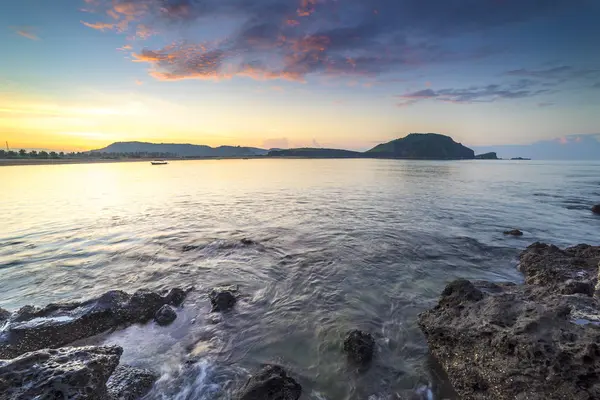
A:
x: 139, y: 82
x: 26, y: 32
x: 101, y: 26
x: 292, y: 22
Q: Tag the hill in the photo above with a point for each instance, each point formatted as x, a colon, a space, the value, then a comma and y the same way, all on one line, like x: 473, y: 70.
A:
x: 182, y: 150
x: 315, y: 153
x: 430, y: 146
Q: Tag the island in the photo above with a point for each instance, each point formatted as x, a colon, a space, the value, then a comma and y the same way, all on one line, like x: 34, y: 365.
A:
x: 487, y: 156
x: 415, y: 146
x: 521, y: 159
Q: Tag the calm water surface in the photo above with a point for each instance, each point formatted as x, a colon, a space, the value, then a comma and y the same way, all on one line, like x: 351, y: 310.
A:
x: 339, y: 244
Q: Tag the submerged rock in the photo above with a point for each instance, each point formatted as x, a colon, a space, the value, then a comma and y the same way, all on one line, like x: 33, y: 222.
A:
x: 130, y: 383
x: 359, y: 346
x: 513, y: 232
x: 165, y: 315
x: 247, y: 242
x: 56, y: 325
x: 596, y: 209
x: 534, y: 341
x: 74, y: 373
x: 270, y: 383
x: 222, y: 299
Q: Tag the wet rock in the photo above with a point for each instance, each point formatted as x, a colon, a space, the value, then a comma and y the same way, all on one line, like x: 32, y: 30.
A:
x: 513, y: 232
x: 532, y: 341
x: 359, y: 346
x: 165, y: 315
x: 547, y: 265
x: 247, y: 242
x: 222, y: 299
x: 74, y: 373
x: 270, y: 383
x: 176, y: 296
x: 55, y: 325
x: 130, y: 383
x: 596, y: 209
x: 4, y: 316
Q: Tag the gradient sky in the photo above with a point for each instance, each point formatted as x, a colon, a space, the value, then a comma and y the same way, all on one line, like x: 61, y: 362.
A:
x: 80, y: 74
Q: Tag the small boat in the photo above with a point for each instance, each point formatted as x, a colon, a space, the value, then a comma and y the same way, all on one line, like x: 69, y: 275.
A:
x: 159, y: 162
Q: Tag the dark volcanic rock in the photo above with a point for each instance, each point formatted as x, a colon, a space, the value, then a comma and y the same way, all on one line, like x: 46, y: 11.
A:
x: 222, y: 299
x: 359, y: 346
x: 130, y: 383
x: 270, y: 383
x: 514, y: 232
x: 56, y: 325
x: 165, y: 315
x: 74, y: 373
x: 596, y: 209
x: 534, y: 341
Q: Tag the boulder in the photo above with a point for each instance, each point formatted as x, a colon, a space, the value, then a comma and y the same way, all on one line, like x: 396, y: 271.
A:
x: 130, y: 383
x: 513, y: 232
x: 247, y: 242
x: 222, y: 299
x: 55, y: 325
x: 165, y: 315
x: 534, y: 341
x: 74, y: 373
x: 596, y: 209
x: 270, y: 383
x: 359, y: 346
x: 4, y: 316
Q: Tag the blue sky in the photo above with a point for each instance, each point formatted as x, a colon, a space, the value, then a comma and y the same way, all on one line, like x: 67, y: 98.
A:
x: 78, y: 74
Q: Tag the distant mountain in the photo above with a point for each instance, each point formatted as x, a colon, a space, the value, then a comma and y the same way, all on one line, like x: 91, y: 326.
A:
x: 572, y: 147
x: 315, y: 153
x: 487, y: 156
x: 182, y: 150
x: 430, y: 146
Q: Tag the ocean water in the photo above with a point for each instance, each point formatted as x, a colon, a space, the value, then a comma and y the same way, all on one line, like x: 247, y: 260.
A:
x: 338, y: 244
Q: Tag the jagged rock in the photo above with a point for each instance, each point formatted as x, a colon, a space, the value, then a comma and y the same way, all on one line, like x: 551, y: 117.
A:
x: 528, y: 342
x: 359, y: 346
x: 222, y: 299
x: 55, y: 325
x: 270, y: 383
x: 547, y: 265
x: 4, y: 316
x: 74, y: 373
x: 596, y: 209
x: 130, y: 383
x: 513, y: 232
x: 165, y: 315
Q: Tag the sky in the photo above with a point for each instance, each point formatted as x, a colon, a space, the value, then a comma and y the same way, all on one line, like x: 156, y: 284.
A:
x: 81, y: 74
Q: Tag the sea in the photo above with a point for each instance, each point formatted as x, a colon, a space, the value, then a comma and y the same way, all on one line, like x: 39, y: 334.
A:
x: 333, y: 245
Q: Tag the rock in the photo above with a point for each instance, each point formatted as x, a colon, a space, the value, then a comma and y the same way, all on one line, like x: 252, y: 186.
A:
x: 270, y: 383
x: 547, y: 265
x: 247, y: 242
x: 176, y: 296
x: 359, y: 346
x: 130, y: 383
x: 534, y: 341
x: 596, y: 209
x: 165, y: 315
x: 4, y: 316
x: 56, y: 325
x: 74, y: 373
x: 222, y: 299
x: 514, y: 232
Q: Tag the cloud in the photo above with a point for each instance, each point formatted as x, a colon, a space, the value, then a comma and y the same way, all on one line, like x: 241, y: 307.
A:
x: 545, y: 104
x: 474, y: 94
x: 556, y: 75
x: 139, y: 82
x: 26, y: 32
x: 273, y: 39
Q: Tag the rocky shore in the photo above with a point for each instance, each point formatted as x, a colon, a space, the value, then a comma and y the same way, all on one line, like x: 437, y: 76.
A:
x: 539, y: 340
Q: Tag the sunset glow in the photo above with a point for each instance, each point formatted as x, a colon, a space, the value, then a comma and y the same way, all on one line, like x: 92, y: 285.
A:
x: 83, y: 74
